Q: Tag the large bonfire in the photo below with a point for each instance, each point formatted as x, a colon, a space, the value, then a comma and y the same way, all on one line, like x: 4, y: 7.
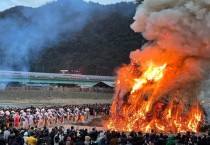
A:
x: 159, y: 89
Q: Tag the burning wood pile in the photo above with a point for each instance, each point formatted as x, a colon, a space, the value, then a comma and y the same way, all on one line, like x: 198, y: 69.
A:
x: 159, y: 89
x: 143, y: 103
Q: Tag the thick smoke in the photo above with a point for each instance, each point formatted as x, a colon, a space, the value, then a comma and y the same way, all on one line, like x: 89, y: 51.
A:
x: 27, y: 31
x: 180, y: 34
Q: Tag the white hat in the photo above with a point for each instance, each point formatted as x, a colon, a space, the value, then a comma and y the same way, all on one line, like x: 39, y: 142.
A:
x: 101, y: 134
x: 25, y: 134
x: 7, y: 112
x: 37, y: 109
x: 87, y: 138
x: 2, y: 112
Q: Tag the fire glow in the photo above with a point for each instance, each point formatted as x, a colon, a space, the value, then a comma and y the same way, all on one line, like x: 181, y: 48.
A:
x: 159, y: 89
x: 151, y: 74
x: 140, y: 110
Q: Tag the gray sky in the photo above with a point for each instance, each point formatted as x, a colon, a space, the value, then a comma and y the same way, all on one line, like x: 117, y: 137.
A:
x: 5, y: 4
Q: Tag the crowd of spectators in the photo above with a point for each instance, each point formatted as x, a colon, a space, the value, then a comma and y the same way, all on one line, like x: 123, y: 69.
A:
x: 71, y: 136
x: 57, y: 134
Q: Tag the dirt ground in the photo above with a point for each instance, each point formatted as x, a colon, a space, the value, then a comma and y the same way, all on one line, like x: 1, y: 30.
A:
x: 39, y: 98
x: 24, y: 98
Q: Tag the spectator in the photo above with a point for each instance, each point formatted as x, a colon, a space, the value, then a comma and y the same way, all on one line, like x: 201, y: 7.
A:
x: 171, y: 141
x: 68, y: 141
x: 87, y: 140
x: 31, y: 140
x: 25, y: 136
x: 114, y: 140
x: 6, y: 134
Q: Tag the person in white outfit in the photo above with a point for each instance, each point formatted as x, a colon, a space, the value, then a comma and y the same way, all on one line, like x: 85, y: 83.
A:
x: 30, y: 123
x: 6, y: 134
x: 25, y: 136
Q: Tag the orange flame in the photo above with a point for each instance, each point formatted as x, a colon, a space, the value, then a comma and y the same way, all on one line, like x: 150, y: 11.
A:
x: 139, y: 106
x: 151, y: 74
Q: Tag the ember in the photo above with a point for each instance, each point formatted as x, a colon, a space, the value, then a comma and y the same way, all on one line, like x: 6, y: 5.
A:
x: 159, y: 89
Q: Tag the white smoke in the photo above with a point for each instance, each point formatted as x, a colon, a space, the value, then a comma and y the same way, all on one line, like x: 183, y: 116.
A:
x: 180, y: 27
x: 178, y: 19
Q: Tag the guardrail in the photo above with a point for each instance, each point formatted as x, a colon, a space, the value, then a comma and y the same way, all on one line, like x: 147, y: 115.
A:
x: 54, y: 76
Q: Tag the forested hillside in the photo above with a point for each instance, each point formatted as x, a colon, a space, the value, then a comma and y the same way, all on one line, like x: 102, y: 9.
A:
x: 89, y: 37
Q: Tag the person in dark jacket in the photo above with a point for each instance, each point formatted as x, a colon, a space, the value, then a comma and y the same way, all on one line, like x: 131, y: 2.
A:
x: 2, y: 141
x: 52, y: 135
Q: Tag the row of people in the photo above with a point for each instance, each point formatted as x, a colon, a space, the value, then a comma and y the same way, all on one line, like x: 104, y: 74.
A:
x: 72, y: 136
x: 48, y: 116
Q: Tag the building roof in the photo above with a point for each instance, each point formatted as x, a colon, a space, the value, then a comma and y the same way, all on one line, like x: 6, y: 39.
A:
x: 105, y: 84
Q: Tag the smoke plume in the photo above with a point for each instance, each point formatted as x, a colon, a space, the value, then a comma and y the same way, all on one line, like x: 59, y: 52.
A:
x: 179, y: 31
x: 179, y: 36
x: 24, y: 32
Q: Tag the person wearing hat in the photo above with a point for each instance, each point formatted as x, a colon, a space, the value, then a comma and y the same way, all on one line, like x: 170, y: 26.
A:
x: 7, y: 116
x: 6, y: 134
x: 49, y: 117
x: 16, y: 120
x: 100, y: 137
x: 30, y: 120
x: 69, y: 115
x: 87, y: 140
x: 87, y: 110
x: 61, y: 115
x: 25, y: 120
x: 25, y: 136
x: 45, y: 119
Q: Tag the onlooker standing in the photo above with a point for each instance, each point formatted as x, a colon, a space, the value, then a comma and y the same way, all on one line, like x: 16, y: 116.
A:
x: 31, y: 140
x: 25, y: 136
x: 171, y: 141
x: 6, y: 134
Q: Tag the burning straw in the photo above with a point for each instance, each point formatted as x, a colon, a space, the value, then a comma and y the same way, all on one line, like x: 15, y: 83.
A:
x: 159, y: 89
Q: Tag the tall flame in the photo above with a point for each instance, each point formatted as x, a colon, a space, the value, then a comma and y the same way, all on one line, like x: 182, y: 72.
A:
x: 162, y: 94
x: 142, y: 109
x: 151, y: 74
